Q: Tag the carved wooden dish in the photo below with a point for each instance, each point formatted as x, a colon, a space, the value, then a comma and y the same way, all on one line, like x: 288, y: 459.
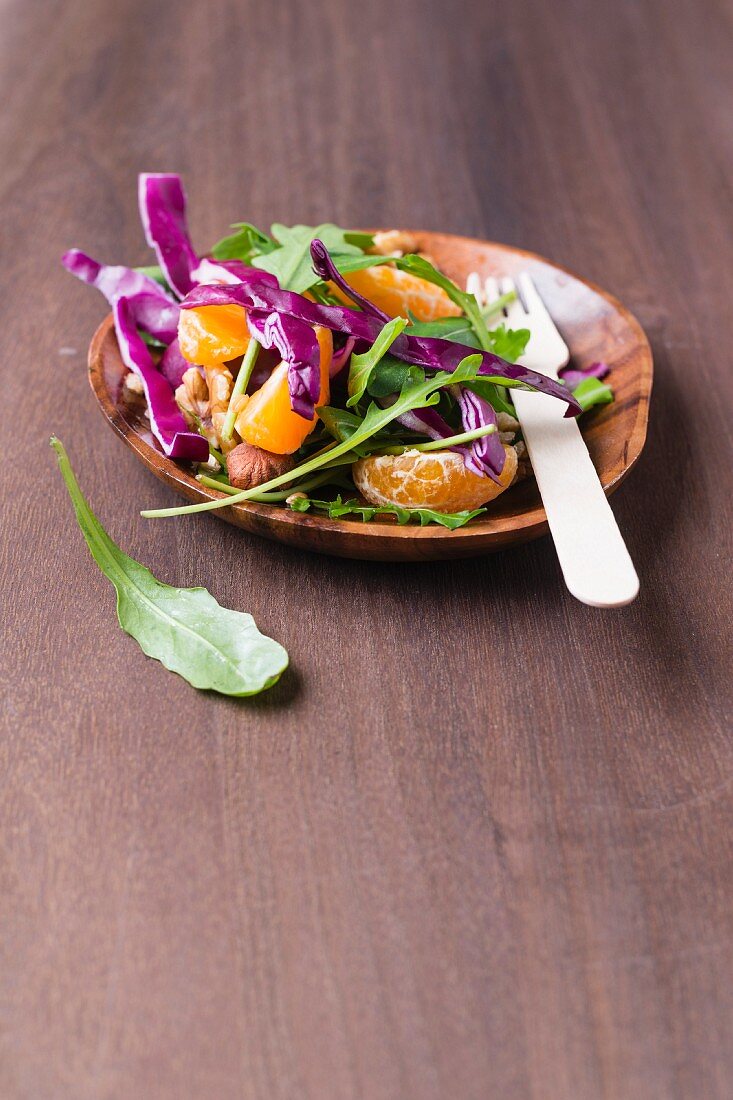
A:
x: 596, y: 327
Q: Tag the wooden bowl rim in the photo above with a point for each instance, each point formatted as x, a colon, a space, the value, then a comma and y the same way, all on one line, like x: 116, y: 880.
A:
x: 529, y: 524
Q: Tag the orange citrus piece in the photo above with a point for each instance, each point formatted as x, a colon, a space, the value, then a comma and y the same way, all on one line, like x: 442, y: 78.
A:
x: 396, y: 292
x: 268, y: 421
x: 213, y: 334
x: 429, y: 479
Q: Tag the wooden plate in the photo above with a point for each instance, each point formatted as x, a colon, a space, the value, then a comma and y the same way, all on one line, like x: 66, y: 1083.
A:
x: 596, y: 327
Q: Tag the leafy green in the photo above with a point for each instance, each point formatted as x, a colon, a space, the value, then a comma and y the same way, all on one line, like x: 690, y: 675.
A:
x: 590, y: 392
x: 457, y: 329
x: 508, y: 343
x: 183, y: 628
x: 361, y: 366
x: 345, y: 264
x: 360, y: 239
x: 155, y: 271
x: 290, y: 261
x: 497, y: 396
x: 339, y: 423
x: 418, y: 265
x: 244, y: 244
x: 415, y: 396
x: 366, y: 512
x: 391, y: 375
x: 152, y: 341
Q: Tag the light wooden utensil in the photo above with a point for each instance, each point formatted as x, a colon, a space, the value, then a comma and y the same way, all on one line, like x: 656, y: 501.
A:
x: 593, y: 556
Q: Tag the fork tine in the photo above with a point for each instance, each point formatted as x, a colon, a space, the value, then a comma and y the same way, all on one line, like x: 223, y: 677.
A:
x: 514, y: 311
x: 491, y: 289
x: 532, y: 299
x: 473, y: 286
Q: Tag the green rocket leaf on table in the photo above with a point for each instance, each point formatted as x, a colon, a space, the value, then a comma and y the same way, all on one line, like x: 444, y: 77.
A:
x: 290, y: 261
x: 183, y: 628
x: 246, y: 242
x: 418, y: 395
x: 336, y: 509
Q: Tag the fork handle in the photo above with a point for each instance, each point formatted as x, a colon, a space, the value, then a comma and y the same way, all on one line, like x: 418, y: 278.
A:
x: 595, y: 562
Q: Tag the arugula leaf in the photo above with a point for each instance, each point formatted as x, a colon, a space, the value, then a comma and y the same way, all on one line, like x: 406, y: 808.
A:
x: 591, y: 392
x: 290, y: 261
x: 338, y: 422
x: 392, y: 375
x: 508, y: 343
x: 457, y: 329
x: 342, y: 425
x: 155, y: 271
x: 497, y: 396
x: 345, y: 264
x: 151, y: 341
x: 418, y: 265
x: 338, y: 508
x: 244, y: 244
x: 361, y: 240
x: 419, y: 395
x: 361, y: 366
x: 184, y: 628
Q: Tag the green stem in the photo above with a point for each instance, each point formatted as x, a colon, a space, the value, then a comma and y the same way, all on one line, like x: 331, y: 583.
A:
x: 498, y: 304
x: 268, y: 498
x: 338, y: 455
x: 218, y: 456
x: 443, y: 444
x: 417, y: 397
x: 240, y: 385
x: 212, y: 483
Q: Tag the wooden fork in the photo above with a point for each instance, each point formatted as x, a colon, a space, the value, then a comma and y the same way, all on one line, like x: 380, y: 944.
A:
x: 593, y: 556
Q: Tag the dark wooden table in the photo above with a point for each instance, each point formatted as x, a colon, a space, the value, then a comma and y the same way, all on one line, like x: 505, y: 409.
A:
x: 477, y: 843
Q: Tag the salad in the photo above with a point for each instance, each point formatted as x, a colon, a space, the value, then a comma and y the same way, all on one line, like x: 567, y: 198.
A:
x: 322, y: 369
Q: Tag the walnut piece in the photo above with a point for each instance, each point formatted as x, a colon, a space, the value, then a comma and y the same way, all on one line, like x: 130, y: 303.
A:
x: 133, y: 384
x: 250, y: 466
x: 524, y: 466
x: 192, y: 396
x: 204, y: 398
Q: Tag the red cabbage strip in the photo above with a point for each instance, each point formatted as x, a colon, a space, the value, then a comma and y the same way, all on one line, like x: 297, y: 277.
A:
x: 484, y: 456
x: 163, y: 214
x: 340, y: 357
x: 572, y: 377
x: 298, y: 347
x: 481, y: 461
x: 172, y: 365
x: 152, y: 309
x: 224, y: 271
x: 166, y: 419
x: 324, y: 266
x: 428, y: 352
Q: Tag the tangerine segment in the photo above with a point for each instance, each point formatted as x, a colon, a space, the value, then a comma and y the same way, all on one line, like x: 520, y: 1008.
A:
x: 213, y: 334
x: 429, y: 479
x: 268, y: 421
x: 397, y: 292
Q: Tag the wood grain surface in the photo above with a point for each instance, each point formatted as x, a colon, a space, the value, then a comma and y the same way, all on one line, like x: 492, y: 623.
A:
x: 477, y: 842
